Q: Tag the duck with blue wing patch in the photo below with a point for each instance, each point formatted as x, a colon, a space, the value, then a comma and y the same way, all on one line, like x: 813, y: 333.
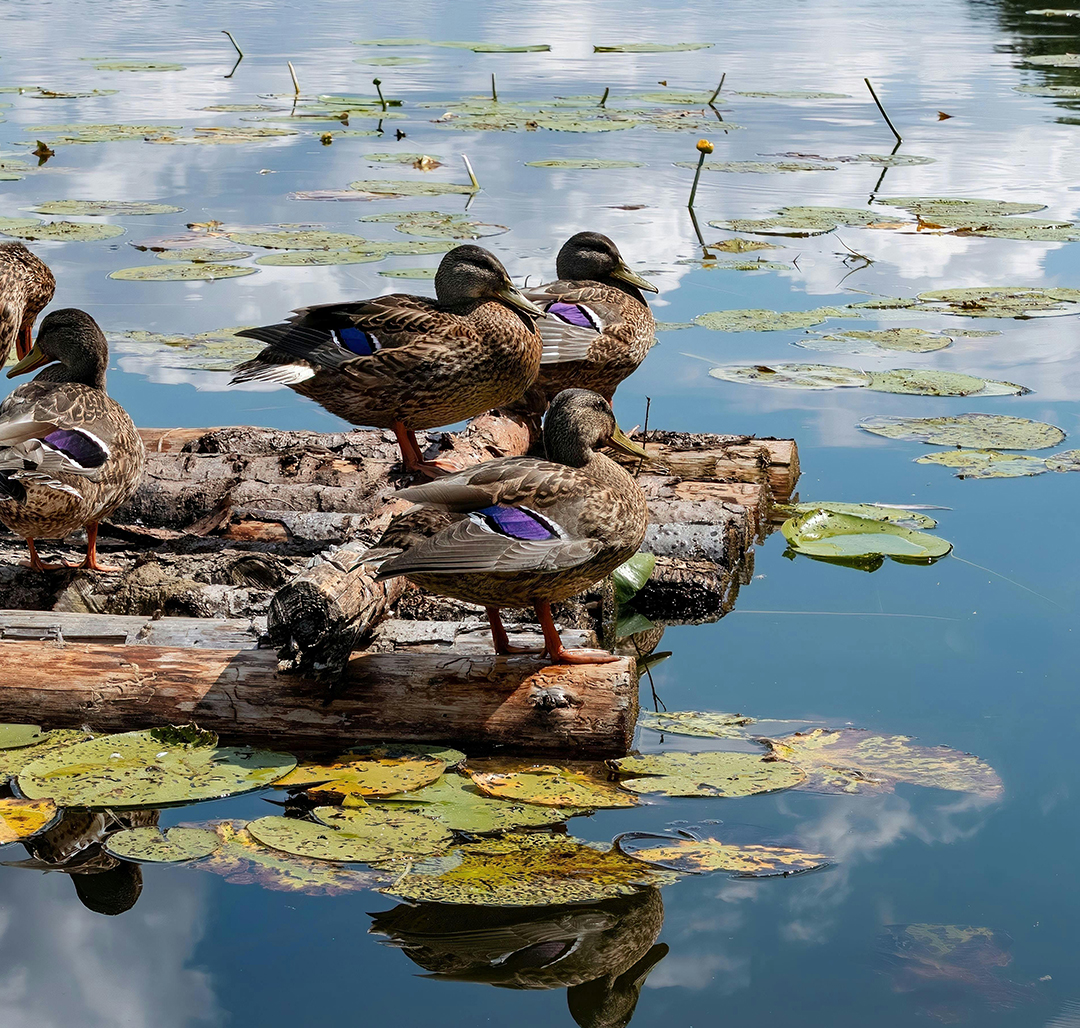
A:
x: 410, y: 362
x: 69, y: 453
x: 598, y: 327
x: 519, y: 531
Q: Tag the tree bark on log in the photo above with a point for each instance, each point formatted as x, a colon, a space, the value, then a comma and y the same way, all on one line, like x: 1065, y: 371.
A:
x: 477, y: 701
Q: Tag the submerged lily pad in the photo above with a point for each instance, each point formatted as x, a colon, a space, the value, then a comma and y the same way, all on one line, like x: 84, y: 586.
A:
x: 548, y: 786
x: 589, y: 163
x: 203, y: 272
x: 356, y: 775
x: 987, y: 463
x: 873, y: 511
x: 59, y: 231
x: 100, y: 65
x: 316, y: 258
x: 794, y: 376
x: 1061, y: 92
x: 852, y: 760
x: 703, y: 855
x: 757, y: 167
x: 930, y: 382
x: 908, y: 340
x: 1055, y: 60
x: 975, y: 431
x: 14, y: 737
x: 1065, y: 460
x: 525, y: 871
x: 850, y: 538
x: 91, y: 207
x: 705, y: 774
x: 390, y: 187
x: 243, y: 861
x: 136, y: 770
x: 20, y: 819
x: 700, y: 724
x: 152, y: 846
x: 649, y: 48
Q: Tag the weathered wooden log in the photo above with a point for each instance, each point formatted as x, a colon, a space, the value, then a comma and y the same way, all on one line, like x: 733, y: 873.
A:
x: 63, y: 627
x: 476, y: 701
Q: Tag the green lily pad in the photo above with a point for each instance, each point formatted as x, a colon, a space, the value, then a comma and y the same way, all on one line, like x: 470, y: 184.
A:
x: 59, y: 231
x: 705, y: 774
x: 525, y: 871
x: 356, y: 775
x: 203, y: 272
x: 704, y: 855
x: 437, y: 225
x: 299, y: 239
x: 1065, y: 460
x: 12, y: 761
x: 929, y: 382
x: 1055, y: 60
x: 97, y: 133
x: 21, y: 819
x: 769, y: 321
x: 13, y: 170
x: 389, y: 187
x: 353, y: 836
x: 425, y: 274
x: 650, y: 48
x: 793, y: 376
x: 241, y: 108
x: 998, y: 302
x: 241, y: 860
x: 14, y: 737
x: 91, y: 207
x: 548, y: 786
x: 740, y: 245
x: 853, y: 760
x: 793, y: 94
x: 316, y: 258
x: 700, y: 724
x: 848, y: 537
x: 100, y: 65
x: 1060, y: 92
x: 907, y: 340
x: 987, y: 463
x: 757, y: 167
x: 894, y: 160
x: 975, y: 431
x: 494, y: 48
x: 391, y: 62
x: 152, y: 846
x: 457, y: 803
x: 61, y: 94
x: 802, y: 221
x: 930, y: 207
x: 630, y: 577
x: 137, y: 770
x: 872, y: 511
x: 584, y: 163
x: 758, y: 264
x: 202, y: 255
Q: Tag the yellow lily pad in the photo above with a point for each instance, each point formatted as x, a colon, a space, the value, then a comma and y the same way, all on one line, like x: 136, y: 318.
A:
x: 975, y: 431
x: 987, y: 463
x: 703, y: 855
x: 548, y: 786
x: 20, y: 819
x: 93, y: 207
x: 356, y: 775
x: 152, y: 846
x: 705, y: 774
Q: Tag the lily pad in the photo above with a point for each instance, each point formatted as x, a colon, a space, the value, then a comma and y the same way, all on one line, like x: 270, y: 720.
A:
x: 399, y: 157
x: 347, y: 195
x: 987, y: 463
x: 21, y: 819
x: 389, y: 187
x: 740, y: 245
x: 1065, y: 460
x: 203, y: 272
x: 298, y: 239
x: 697, y: 723
x: 629, y: 578
x: 930, y: 382
x: 794, y: 376
x: 649, y: 48
x: 356, y: 775
x: 152, y: 846
x: 757, y: 167
x: 769, y: 321
x: 241, y: 860
x: 525, y: 871
x: 547, y: 786
x: 1061, y: 92
x: 908, y: 340
x: 61, y: 94
x: 757, y: 264
x: 13, y: 170
x: 98, y: 133
x: 494, y: 48
x: 425, y: 274
x: 354, y: 836
x: 241, y: 108
x: 214, y: 135
x: 852, y: 760
x: 137, y: 770
x: 92, y: 207
x: 316, y: 258
x: 100, y: 65
x: 894, y: 160
x: 802, y: 221
x: 14, y: 737
x: 59, y: 231
x: 585, y: 163
x: 12, y: 761
x: 975, y: 431
x: 872, y: 511
x: 850, y: 538
x: 930, y: 207
x: 705, y: 774
x: 703, y: 855
x: 793, y: 94
x: 998, y: 302
x: 202, y: 255
x: 1055, y: 60
x: 437, y: 225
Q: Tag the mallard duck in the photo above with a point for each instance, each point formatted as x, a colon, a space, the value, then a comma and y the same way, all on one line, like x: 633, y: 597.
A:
x: 26, y: 286
x: 69, y: 453
x: 410, y: 362
x: 599, y: 327
x: 520, y: 531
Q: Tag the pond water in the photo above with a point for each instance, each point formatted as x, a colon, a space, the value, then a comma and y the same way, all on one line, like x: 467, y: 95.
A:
x: 977, y: 652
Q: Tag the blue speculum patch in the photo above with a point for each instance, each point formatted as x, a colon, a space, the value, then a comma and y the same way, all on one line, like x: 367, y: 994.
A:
x: 571, y: 313
x: 362, y: 343
x: 516, y: 522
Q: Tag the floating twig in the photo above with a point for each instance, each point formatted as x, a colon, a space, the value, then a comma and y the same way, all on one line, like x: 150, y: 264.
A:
x: 884, y: 114
x: 377, y: 83
x: 494, y: 95
x: 603, y: 99
x: 472, y: 174
x: 712, y: 99
x: 295, y: 82
x: 234, y: 43
x: 703, y: 147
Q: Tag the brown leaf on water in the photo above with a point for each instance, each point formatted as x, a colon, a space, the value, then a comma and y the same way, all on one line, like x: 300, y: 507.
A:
x: 942, y: 116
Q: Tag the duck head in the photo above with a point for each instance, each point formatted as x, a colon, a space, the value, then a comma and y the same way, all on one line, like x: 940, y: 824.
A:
x: 473, y: 273
x: 579, y: 422
x: 72, y: 339
x: 592, y: 257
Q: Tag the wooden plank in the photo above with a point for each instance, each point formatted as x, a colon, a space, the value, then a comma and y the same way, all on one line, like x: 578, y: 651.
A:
x: 476, y: 701
x: 121, y: 630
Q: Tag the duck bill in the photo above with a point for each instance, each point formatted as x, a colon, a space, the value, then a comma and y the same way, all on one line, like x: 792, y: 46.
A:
x: 31, y: 362
x: 624, y: 274
x: 512, y: 295
x: 624, y: 444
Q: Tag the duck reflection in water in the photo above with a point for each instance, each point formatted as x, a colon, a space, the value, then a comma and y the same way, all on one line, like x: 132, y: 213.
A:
x: 72, y: 846
x: 600, y: 953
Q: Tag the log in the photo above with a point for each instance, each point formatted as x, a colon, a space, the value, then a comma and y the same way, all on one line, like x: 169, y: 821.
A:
x: 475, y: 701
x: 65, y: 627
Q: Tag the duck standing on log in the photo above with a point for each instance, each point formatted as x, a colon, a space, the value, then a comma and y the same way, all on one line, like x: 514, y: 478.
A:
x: 599, y: 327
x: 410, y: 362
x: 519, y: 531
x: 69, y: 453
x: 26, y: 286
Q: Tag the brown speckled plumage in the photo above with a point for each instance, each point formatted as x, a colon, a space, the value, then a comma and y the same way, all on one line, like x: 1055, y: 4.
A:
x: 26, y: 286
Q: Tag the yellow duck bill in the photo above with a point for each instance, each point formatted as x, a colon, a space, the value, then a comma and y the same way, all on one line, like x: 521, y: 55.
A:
x: 31, y: 362
x: 624, y: 274
x: 624, y: 444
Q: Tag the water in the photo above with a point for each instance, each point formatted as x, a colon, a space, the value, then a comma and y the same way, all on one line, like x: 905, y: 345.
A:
x: 976, y: 652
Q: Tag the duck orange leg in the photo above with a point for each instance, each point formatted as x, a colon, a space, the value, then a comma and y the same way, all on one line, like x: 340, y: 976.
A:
x: 37, y: 564
x: 501, y: 639
x: 559, y: 653
x: 91, y: 561
x: 411, y: 456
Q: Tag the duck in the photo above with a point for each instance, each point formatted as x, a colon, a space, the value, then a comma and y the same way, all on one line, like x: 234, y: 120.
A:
x: 410, y: 362
x: 69, y: 453
x: 26, y: 287
x: 599, y: 327
x: 525, y: 531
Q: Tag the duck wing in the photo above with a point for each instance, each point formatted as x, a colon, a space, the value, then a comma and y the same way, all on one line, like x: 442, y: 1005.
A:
x: 578, y: 312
